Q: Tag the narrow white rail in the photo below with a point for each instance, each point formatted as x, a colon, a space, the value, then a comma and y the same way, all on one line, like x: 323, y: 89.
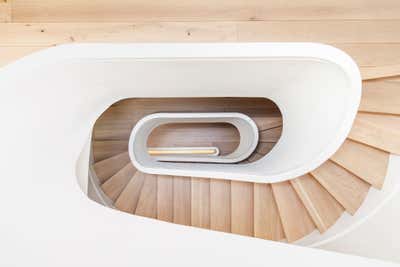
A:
x: 161, y: 152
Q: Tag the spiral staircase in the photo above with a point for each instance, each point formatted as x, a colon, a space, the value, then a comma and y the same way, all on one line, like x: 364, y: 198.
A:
x: 284, y: 211
x: 52, y: 99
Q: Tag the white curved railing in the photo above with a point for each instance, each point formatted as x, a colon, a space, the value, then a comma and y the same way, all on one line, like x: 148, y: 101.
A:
x: 248, y: 132
x: 49, y: 103
x: 317, y: 114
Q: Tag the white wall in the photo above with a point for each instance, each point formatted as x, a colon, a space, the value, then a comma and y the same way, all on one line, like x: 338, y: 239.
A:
x: 378, y: 237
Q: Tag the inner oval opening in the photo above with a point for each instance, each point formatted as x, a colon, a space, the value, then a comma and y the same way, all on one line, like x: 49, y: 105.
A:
x: 111, y: 131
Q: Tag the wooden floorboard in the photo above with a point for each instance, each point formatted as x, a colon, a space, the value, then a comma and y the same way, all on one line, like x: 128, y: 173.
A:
x: 355, y: 31
x: 134, y: 10
x: 59, y: 33
x: 374, y: 45
x: 340, y: 32
x: 5, y: 11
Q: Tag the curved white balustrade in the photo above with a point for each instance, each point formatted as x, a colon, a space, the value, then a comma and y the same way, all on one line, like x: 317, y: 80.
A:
x: 248, y: 132
x: 50, y: 101
x: 317, y: 89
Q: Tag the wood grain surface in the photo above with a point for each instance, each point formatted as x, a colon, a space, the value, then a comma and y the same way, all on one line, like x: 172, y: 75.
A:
x: 367, y: 30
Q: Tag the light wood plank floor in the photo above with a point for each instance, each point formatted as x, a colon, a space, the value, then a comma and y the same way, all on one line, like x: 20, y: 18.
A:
x: 368, y: 31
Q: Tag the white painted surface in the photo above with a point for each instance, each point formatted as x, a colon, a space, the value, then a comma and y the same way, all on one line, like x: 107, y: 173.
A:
x: 378, y: 238
x: 82, y: 167
x: 48, y: 106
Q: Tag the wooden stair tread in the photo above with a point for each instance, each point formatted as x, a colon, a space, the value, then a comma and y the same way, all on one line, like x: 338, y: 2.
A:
x: 220, y: 205
x: 368, y: 163
x: 379, y: 72
x: 165, y: 198
x: 182, y: 199
x: 271, y: 135
x: 267, y: 223
x: 200, y: 210
x: 108, y: 148
x: 147, y: 203
x: 254, y: 157
x: 265, y: 148
x: 242, y: 207
x: 114, y: 186
x: 349, y: 190
x: 381, y: 96
x: 322, y: 206
x: 115, y: 129
x: 296, y: 221
x: 129, y: 197
x: 108, y: 167
x: 265, y: 123
x: 290, y: 209
x: 380, y: 131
